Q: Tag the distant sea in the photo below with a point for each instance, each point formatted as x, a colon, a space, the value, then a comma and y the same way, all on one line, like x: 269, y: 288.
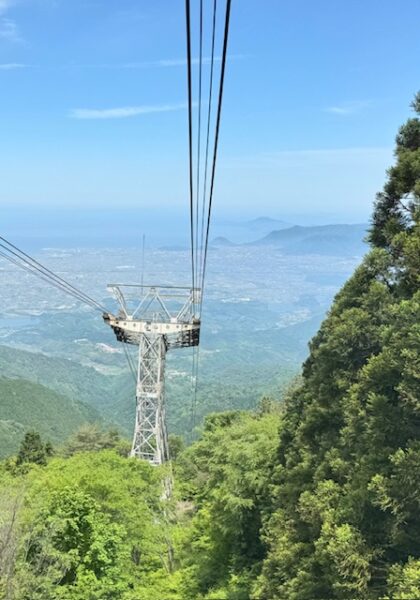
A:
x: 34, y: 229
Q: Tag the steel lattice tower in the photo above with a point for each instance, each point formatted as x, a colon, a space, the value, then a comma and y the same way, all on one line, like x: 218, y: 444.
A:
x: 156, y: 319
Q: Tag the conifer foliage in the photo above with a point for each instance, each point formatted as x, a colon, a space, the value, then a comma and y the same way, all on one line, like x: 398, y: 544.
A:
x: 347, y: 498
x: 32, y: 450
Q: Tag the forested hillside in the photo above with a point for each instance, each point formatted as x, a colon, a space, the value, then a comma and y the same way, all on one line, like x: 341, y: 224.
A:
x: 344, y: 520
x: 316, y: 496
x: 63, y: 376
x: 27, y: 405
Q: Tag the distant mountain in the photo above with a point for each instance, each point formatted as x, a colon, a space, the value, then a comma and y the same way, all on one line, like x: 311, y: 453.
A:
x: 240, y: 232
x: 333, y: 240
x: 222, y: 241
x: 27, y: 405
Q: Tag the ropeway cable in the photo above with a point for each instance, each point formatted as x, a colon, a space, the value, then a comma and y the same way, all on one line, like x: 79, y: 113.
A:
x: 48, y: 280
x: 197, y: 191
x: 130, y: 362
x: 49, y: 273
x: 28, y: 270
x: 206, y: 160
x: 201, y: 251
x: 190, y: 135
x: 216, y: 141
x: 196, y: 351
x: 37, y: 269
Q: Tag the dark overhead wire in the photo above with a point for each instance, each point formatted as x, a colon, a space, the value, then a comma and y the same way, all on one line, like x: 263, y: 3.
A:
x: 198, y: 249
x: 203, y: 197
x: 32, y: 271
x: 200, y: 70
x: 190, y: 135
x: 216, y: 141
x: 204, y: 184
x: 194, y: 235
x: 130, y: 362
x: 36, y: 268
x: 193, y: 389
x: 206, y: 159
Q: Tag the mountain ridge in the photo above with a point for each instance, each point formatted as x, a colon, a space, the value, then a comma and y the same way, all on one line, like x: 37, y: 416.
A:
x: 330, y: 239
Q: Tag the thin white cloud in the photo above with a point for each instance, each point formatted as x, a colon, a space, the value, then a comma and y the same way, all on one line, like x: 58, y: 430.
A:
x: 5, y: 5
x: 171, y: 62
x: 123, y: 112
x: 181, y: 62
x: 349, y: 108
x: 9, y: 30
x: 163, y: 63
x: 11, y: 66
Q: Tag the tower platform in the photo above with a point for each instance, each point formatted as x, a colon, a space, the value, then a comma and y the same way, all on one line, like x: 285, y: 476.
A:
x: 156, y: 319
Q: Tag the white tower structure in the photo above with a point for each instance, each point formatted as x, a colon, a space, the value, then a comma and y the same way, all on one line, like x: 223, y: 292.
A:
x: 156, y: 319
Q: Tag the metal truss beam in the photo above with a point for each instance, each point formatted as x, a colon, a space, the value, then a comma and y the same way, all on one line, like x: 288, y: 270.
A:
x: 160, y: 319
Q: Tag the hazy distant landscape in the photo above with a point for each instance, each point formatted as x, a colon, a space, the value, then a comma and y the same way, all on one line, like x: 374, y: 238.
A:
x: 260, y: 311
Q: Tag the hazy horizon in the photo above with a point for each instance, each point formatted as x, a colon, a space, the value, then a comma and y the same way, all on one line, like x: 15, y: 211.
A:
x: 36, y: 228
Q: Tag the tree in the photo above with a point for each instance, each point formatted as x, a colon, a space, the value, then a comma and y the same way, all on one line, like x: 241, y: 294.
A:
x: 74, y: 551
x: 11, y: 500
x: 404, y: 581
x: 32, y: 450
x: 91, y: 438
x: 397, y: 206
x: 227, y: 474
x: 176, y: 445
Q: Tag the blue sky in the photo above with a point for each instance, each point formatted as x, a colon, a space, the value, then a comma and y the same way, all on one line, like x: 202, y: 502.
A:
x: 92, y: 105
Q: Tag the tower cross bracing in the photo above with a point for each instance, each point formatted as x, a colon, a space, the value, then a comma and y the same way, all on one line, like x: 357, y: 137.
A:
x: 156, y: 319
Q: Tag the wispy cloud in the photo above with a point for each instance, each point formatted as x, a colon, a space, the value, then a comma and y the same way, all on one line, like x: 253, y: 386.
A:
x: 349, y: 108
x: 11, y: 66
x: 123, y: 112
x: 163, y: 63
x: 9, y: 30
x: 181, y: 62
x: 5, y: 5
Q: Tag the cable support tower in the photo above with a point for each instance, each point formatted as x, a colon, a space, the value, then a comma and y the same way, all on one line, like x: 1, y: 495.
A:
x: 159, y: 319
